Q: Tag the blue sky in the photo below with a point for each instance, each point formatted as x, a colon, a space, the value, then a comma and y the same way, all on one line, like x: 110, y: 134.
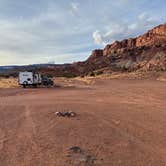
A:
x: 62, y: 31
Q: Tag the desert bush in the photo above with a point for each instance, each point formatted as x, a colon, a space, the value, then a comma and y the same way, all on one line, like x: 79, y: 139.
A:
x: 49, y: 75
x: 158, y: 45
x: 99, y: 73
x: 92, y: 74
x: 69, y: 75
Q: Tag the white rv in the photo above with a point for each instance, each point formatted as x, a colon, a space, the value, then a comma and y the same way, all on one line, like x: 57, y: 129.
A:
x: 29, y: 79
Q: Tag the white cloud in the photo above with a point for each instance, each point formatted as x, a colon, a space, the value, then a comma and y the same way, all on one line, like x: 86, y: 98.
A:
x: 143, y: 16
x: 98, y: 38
x: 74, y: 8
x: 122, y: 30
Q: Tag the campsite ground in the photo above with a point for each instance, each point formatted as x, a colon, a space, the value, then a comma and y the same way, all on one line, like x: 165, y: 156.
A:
x: 119, y: 122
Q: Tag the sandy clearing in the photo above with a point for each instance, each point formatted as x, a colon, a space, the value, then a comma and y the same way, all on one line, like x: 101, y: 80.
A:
x: 119, y: 123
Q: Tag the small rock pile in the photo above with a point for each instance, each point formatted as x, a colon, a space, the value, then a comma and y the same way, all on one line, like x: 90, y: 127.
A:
x: 65, y: 114
x: 78, y: 156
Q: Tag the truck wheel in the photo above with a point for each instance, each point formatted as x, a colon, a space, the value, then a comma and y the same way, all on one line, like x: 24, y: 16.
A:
x: 34, y: 86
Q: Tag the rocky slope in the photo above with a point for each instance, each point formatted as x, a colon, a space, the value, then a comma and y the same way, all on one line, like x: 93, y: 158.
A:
x: 153, y: 37
x: 146, y: 52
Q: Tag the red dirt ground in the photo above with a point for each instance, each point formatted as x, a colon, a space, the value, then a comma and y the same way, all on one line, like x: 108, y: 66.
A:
x: 119, y: 123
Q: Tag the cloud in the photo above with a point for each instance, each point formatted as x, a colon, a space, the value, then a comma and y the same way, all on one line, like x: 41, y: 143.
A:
x: 74, y: 8
x: 144, y: 22
x: 42, y: 38
x: 98, y: 38
x: 121, y: 30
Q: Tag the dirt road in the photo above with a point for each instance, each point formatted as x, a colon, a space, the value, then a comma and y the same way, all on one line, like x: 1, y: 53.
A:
x: 119, y: 123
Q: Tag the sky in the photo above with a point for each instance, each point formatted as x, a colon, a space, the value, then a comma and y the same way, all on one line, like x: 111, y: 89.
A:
x: 66, y: 31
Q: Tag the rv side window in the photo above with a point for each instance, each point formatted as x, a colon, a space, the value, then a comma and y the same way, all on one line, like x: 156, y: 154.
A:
x: 28, y: 79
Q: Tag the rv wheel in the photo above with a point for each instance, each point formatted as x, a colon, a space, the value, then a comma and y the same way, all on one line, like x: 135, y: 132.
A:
x: 25, y: 84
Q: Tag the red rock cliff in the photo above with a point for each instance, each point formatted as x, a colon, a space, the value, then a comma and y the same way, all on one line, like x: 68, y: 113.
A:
x: 152, y: 37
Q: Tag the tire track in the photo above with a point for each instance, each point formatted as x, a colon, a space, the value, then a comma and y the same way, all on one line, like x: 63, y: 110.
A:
x: 2, y: 139
x: 21, y: 147
x: 151, y: 149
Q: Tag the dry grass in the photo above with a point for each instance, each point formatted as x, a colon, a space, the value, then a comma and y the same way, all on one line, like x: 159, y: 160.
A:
x: 8, y: 83
x: 69, y: 82
x: 72, y: 82
x: 162, y: 78
x: 117, y: 75
x: 152, y: 75
x: 86, y: 80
